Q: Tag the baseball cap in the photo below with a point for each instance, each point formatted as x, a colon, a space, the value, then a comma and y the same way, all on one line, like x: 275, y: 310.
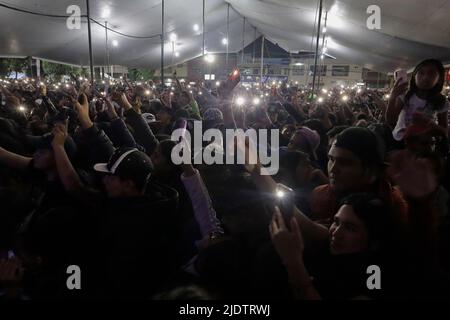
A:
x: 311, y: 137
x: 213, y: 114
x: 127, y: 163
x: 149, y: 117
x: 363, y: 143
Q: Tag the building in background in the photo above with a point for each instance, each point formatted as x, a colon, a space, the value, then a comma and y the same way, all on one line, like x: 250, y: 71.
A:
x: 278, y: 65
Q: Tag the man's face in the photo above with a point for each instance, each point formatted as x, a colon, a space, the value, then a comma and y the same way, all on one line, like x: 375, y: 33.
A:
x: 346, y: 172
x: 348, y: 234
x: 163, y: 116
x: 43, y: 159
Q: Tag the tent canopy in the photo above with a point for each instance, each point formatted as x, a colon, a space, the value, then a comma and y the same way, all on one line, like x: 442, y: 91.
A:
x: 411, y: 30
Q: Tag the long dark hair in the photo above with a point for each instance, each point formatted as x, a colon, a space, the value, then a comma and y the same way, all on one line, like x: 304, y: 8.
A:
x: 375, y: 215
x: 435, y: 98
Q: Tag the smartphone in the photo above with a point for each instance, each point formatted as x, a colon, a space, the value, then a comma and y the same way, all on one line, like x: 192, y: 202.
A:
x: 233, y: 79
x: 401, y: 75
x: 81, y: 99
x: 285, y: 200
x: 107, y: 93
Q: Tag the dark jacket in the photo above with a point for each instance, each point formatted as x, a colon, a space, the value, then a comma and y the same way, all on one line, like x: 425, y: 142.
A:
x: 94, y: 146
x: 136, y: 244
x: 141, y: 131
x: 118, y: 132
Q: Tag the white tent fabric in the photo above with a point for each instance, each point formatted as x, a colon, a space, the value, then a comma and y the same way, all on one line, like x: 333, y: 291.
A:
x: 411, y: 30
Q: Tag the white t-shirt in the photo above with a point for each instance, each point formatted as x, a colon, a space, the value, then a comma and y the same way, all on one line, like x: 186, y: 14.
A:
x: 415, y: 104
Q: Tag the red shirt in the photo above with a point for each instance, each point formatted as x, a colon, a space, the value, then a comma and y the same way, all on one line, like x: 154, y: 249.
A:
x: 325, y: 203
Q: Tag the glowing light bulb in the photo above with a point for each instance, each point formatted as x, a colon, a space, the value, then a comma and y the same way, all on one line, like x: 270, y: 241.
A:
x: 173, y: 37
x: 240, y: 101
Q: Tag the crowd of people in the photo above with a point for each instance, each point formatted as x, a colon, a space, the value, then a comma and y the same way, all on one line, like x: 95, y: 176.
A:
x: 87, y: 179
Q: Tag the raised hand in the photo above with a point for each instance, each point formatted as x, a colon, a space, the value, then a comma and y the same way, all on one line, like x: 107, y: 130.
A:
x: 83, y: 111
x: 110, y: 110
x: 166, y: 99
x: 124, y: 102
x: 42, y: 89
x: 60, y: 134
x: 288, y: 243
x: 398, y: 89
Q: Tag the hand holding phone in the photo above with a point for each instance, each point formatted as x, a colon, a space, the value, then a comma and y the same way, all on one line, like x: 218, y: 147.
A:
x: 401, y: 75
x: 285, y: 198
x: 233, y: 79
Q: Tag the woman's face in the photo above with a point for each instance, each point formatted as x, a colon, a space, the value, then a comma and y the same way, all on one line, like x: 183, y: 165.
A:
x: 427, y: 77
x: 348, y: 234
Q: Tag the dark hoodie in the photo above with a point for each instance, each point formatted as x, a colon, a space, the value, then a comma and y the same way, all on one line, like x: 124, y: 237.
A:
x: 135, y: 245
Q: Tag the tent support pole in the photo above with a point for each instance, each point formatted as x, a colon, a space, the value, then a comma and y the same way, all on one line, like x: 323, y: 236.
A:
x: 162, y: 44
x: 317, y: 50
x: 322, y: 61
x: 254, y: 48
x: 228, y: 35
x: 107, y: 48
x: 91, y: 62
x: 243, y: 41
x: 262, y: 63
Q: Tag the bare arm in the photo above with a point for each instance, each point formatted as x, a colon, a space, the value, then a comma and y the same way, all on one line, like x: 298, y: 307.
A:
x: 289, y: 245
x: 395, y: 105
x: 313, y: 232
x: 393, y: 111
x: 14, y: 160
x: 67, y: 174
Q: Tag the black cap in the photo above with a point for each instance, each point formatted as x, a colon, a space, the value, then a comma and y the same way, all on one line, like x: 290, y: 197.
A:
x: 127, y: 163
x: 363, y: 143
